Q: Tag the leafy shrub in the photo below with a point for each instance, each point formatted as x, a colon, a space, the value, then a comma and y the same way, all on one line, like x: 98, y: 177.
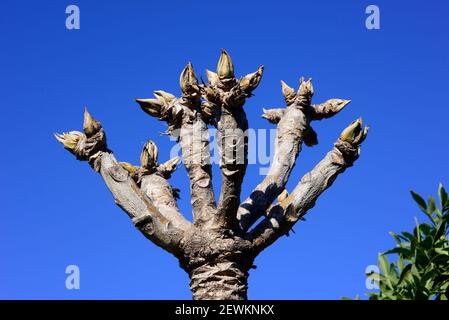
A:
x: 422, y: 267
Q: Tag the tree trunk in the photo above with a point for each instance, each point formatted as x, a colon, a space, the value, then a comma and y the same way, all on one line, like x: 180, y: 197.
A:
x: 222, y: 280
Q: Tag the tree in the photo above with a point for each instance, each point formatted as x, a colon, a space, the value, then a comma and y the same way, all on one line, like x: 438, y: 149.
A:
x: 218, y: 249
x: 422, y: 267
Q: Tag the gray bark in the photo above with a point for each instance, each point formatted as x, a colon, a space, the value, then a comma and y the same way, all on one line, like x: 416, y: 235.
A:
x: 194, y: 142
x: 216, y: 249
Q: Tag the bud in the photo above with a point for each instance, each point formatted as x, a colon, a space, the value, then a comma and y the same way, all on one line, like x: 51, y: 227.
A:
x: 91, y: 126
x: 212, y: 77
x: 148, y: 157
x: 167, y: 168
x: 354, y: 133
x: 365, y: 134
x: 288, y: 92
x: 188, y: 81
x: 164, y: 97
x: 151, y: 106
x: 283, y: 196
x: 225, y: 68
x: 69, y: 139
x: 338, y: 104
x: 250, y: 82
x: 170, y: 165
x: 273, y: 115
x: 306, y: 88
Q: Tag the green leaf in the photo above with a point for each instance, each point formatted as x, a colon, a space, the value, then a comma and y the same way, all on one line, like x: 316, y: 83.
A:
x: 393, y: 272
x: 415, y: 271
x: 431, y: 205
x: 444, y: 251
x: 442, y: 195
x: 409, y: 236
x: 400, y: 264
x: 405, y: 245
x: 426, y: 229
x: 441, y: 230
x: 419, y: 200
x: 373, y: 296
x: 417, y: 231
x: 402, y: 251
x: 374, y: 275
x: 383, y: 264
x: 396, y: 237
x: 427, y: 243
x: 405, y: 273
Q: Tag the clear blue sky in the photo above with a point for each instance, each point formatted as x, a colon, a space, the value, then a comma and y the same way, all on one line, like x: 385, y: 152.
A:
x: 54, y: 211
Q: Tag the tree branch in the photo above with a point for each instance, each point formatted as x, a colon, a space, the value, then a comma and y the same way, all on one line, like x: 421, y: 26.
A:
x: 185, y: 120
x: 224, y: 99
x: 281, y: 217
x: 327, y: 109
x: 293, y: 121
x: 91, y: 147
x: 153, y: 181
x: 293, y: 129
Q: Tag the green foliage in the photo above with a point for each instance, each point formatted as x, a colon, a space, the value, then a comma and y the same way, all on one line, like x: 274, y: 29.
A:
x: 422, y: 267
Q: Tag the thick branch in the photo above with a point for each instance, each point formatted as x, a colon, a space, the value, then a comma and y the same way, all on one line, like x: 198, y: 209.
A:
x: 194, y: 142
x: 91, y: 147
x: 161, y: 194
x: 233, y: 145
x: 224, y: 99
x: 293, y: 129
x: 281, y: 217
x: 185, y: 120
x: 158, y: 228
x: 274, y: 115
x: 289, y: 137
x: 327, y: 109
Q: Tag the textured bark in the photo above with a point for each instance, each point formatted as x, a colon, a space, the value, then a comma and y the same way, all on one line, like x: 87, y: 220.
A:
x: 293, y: 128
x: 144, y: 214
x: 185, y: 122
x: 217, y: 250
x: 194, y: 142
x: 223, y: 280
x: 161, y: 194
x: 233, y: 145
x: 283, y: 216
x: 289, y: 137
x: 217, y: 262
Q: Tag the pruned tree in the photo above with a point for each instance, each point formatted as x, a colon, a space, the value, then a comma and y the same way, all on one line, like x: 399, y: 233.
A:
x: 218, y: 248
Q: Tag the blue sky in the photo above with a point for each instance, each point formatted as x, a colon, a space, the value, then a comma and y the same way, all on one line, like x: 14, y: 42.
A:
x: 54, y: 211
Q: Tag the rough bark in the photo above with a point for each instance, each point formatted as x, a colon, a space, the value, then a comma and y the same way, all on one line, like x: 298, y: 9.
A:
x: 283, y: 216
x: 217, y: 262
x: 289, y: 137
x: 127, y: 195
x: 183, y: 116
x: 194, y: 142
x: 222, y: 280
x: 161, y: 194
x: 217, y: 250
x: 293, y: 128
